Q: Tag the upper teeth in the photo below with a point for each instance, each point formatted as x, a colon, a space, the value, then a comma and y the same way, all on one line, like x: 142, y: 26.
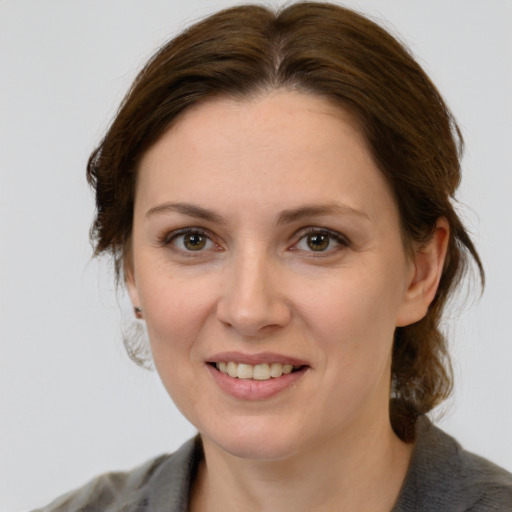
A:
x: 259, y: 371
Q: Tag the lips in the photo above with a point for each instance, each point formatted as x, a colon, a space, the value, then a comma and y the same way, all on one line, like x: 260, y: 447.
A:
x: 255, y: 376
x: 263, y: 371
x: 255, y: 359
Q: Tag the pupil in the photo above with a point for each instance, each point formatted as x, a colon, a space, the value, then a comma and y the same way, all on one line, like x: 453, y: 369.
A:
x: 194, y: 242
x: 318, y: 242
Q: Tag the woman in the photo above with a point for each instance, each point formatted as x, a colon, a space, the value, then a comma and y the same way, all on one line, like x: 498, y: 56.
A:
x: 276, y: 192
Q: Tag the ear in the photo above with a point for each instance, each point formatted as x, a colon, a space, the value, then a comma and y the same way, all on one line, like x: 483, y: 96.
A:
x: 129, y: 281
x: 426, y: 270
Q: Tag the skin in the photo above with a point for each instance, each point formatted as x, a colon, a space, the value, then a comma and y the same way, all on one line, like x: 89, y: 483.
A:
x: 256, y: 285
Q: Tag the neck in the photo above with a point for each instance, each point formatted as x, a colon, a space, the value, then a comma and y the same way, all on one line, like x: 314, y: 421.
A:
x: 347, y: 472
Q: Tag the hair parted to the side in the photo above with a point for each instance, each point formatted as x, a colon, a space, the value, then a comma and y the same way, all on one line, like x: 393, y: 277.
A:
x: 331, y: 51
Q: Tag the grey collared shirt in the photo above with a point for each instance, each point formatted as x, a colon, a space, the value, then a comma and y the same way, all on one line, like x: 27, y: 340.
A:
x: 442, y: 477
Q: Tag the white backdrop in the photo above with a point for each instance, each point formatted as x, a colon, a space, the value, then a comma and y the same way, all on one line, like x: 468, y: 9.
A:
x: 71, y: 403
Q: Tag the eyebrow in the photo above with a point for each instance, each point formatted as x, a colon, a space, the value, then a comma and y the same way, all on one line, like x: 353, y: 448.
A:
x: 285, y: 217
x: 296, y: 214
x: 191, y: 210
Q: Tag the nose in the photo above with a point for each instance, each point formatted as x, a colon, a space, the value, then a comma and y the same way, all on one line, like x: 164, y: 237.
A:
x: 252, y: 300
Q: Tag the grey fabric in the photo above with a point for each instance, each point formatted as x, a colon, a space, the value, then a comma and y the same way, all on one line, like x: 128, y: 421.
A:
x: 442, y: 478
x: 160, y: 485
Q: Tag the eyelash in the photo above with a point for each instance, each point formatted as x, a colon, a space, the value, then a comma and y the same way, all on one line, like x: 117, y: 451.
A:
x: 341, y: 240
x: 169, y: 240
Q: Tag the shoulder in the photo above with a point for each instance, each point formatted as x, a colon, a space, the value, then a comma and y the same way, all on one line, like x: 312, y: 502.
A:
x: 164, y: 479
x: 489, y: 485
x: 444, y: 476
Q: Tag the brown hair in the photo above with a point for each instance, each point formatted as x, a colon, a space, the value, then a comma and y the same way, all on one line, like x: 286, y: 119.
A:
x: 334, y: 52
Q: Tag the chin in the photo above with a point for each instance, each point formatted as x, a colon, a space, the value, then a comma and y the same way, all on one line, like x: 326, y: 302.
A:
x: 258, y: 449
x: 260, y: 441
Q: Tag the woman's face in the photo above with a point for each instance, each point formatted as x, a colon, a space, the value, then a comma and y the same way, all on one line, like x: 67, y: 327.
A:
x: 265, y: 236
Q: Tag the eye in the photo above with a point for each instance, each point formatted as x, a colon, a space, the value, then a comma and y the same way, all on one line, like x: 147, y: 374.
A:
x: 320, y: 240
x: 190, y: 240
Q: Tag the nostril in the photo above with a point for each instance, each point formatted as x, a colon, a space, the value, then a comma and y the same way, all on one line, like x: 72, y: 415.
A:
x: 251, y: 308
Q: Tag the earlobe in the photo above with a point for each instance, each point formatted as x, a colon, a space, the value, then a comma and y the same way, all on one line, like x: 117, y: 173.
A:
x: 131, y: 288
x: 426, y: 271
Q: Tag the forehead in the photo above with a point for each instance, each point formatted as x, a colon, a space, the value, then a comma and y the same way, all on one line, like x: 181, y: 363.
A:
x: 284, y: 147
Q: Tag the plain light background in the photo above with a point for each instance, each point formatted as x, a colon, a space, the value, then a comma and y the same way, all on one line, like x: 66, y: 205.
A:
x: 71, y: 403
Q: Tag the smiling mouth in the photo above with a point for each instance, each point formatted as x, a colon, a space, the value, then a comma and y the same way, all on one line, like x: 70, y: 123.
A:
x: 264, y: 371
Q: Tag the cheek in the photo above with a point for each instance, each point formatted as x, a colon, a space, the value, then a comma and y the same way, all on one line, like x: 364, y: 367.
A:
x: 351, y: 305
x: 176, y: 311
x: 351, y: 322
x: 176, y: 314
